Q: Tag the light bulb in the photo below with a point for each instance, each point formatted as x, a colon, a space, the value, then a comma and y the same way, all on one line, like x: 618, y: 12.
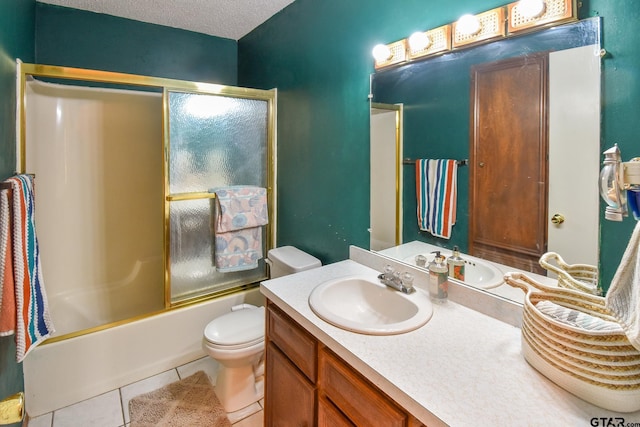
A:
x: 381, y: 53
x: 419, y: 41
x: 531, y: 8
x: 469, y: 25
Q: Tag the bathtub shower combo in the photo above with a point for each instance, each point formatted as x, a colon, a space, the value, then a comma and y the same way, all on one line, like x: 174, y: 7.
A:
x: 123, y: 208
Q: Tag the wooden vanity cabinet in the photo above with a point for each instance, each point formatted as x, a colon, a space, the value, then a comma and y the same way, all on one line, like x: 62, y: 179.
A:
x: 291, y: 371
x: 308, y: 385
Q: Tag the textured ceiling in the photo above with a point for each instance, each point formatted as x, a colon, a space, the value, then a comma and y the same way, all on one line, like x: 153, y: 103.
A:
x: 231, y: 19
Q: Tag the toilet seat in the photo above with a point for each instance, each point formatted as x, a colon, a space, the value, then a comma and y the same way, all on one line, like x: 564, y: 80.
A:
x: 237, y: 329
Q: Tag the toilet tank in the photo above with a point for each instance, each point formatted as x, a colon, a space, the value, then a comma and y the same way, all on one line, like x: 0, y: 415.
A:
x: 288, y: 260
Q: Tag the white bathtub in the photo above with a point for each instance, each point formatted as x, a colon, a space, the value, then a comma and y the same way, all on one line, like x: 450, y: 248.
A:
x: 68, y: 371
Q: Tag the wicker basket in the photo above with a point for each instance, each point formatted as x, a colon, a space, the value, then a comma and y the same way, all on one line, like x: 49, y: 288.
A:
x: 582, y: 277
x: 600, y: 367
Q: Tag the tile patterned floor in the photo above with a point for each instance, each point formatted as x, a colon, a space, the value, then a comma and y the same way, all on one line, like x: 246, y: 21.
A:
x: 111, y: 409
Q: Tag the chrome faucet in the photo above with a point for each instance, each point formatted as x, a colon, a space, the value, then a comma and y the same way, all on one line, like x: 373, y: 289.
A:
x: 400, y: 282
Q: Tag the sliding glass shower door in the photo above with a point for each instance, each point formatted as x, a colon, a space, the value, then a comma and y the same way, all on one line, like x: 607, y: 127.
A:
x: 214, y: 141
x: 124, y: 168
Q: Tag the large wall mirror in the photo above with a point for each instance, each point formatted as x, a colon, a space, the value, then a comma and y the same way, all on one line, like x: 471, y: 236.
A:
x: 438, y: 119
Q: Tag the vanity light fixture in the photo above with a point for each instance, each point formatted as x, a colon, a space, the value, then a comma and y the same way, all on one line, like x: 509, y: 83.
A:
x: 511, y: 19
x: 439, y: 41
x: 620, y: 185
x: 529, y: 14
x: 389, y: 54
x: 471, y: 29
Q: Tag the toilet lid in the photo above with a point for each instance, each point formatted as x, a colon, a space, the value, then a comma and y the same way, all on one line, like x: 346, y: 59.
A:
x: 244, y: 326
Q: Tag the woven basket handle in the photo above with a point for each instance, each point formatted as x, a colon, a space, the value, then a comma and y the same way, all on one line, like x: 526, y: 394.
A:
x: 529, y: 285
x: 544, y: 262
x: 522, y: 281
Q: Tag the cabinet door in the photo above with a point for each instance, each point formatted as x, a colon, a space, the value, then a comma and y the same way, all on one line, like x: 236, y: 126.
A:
x: 330, y: 416
x: 293, y: 340
x: 289, y: 396
x: 355, y: 397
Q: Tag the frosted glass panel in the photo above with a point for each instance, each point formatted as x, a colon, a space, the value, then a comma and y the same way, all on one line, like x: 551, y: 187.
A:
x: 192, y: 270
x: 214, y: 141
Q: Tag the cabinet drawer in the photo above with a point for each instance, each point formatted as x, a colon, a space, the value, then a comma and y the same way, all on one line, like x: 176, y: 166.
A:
x: 294, y: 341
x: 362, y: 403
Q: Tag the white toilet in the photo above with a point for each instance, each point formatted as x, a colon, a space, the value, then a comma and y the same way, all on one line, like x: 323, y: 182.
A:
x: 236, y: 339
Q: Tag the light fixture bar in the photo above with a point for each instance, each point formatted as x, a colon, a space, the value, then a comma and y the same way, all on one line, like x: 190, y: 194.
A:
x: 512, y: 19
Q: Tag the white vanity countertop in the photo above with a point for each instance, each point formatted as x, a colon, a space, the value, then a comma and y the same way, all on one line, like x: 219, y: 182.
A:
x: 462, y: 368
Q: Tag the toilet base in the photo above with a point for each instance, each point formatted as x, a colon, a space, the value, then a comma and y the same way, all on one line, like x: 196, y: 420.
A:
x: 238, y: 387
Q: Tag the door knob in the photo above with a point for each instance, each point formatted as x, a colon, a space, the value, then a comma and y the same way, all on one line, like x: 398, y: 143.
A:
x: 557, y: 219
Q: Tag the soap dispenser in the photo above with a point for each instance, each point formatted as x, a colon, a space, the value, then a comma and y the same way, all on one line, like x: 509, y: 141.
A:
x: 456, y: 265
x: 438, y: 278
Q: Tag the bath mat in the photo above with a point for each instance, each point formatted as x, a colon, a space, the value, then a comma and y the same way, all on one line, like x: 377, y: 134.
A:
x: 188, y: 402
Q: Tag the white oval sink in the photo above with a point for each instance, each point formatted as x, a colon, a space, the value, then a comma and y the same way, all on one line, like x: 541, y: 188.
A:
x: 477, y: 272
x: 363, y: 304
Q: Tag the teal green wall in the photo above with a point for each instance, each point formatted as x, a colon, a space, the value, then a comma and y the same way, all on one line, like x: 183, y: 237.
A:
x: 77, y: 38
x: 16, y: 41
x: 317, y: 53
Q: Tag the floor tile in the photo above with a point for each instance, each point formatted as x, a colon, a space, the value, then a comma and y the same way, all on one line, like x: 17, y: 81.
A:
x: 243, y: 413
x: 255, y: 420
x: 41, y: 421
x: 145, y: 386
x: 101, y: 411
x: 206, y: 364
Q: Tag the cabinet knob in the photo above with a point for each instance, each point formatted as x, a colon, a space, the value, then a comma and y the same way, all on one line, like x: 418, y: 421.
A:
x: 557, y: 219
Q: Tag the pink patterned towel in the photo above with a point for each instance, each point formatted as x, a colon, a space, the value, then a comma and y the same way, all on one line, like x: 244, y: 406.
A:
x: 33, y: 321
x: 241, y: 213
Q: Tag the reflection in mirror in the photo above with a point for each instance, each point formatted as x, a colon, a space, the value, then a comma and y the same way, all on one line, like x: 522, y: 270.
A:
x: 436, y: 95
x: 386, y: 176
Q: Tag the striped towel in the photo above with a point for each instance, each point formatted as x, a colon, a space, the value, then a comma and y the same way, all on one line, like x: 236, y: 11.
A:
x: 436, y: 191
x: 577, y: 318
x: 33, y: 321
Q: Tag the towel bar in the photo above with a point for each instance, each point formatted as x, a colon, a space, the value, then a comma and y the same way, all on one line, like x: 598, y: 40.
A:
x: 7, y: 186
x: 190, y: 196
x: 408, y: 161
